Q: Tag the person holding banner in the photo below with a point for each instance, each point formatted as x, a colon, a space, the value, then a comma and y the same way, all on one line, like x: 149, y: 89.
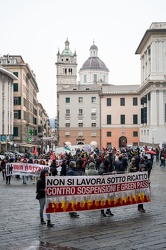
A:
x: 104, y: 169
x: 40, y: 190
x: 141, y: 168
x: 72, y: 172
x: 3, y: 167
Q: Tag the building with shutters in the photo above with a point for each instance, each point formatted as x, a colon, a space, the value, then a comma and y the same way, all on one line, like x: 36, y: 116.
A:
x: 6, y: 109
x: 92, y: 111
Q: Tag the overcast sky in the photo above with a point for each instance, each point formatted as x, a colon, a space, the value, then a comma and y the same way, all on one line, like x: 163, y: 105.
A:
x: 35, y: 29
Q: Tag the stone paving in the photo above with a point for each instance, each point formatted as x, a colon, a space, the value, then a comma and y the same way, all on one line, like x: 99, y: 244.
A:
x: 128, y: 229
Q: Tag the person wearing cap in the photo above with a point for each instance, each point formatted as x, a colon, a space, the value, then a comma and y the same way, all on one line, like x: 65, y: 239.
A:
x: 41, y: 196
x: 71, y: 171
x: 103, y: 169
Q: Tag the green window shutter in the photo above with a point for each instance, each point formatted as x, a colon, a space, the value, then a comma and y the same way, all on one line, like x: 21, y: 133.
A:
x: 67, y: 99
x: 108, y: 119
x: 19, y: 114
x: 135, y: 119
x: 15, y: 131
x: 15, y: 87
x: 16, y: 74
x: 19, y: 100
x: 122, y: 119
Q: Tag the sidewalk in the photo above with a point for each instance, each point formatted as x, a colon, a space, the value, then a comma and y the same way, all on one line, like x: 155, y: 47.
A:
x: 20, y: 227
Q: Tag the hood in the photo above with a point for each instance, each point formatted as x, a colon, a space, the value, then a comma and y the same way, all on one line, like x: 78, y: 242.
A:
x: 92, y: 165
x: 43, y: 173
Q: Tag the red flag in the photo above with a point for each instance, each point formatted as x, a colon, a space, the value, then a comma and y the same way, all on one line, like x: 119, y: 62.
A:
x: 35, y: 151
x: 53, y: 156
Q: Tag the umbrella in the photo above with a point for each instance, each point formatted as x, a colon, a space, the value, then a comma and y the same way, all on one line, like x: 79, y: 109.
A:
x: 151, y: 152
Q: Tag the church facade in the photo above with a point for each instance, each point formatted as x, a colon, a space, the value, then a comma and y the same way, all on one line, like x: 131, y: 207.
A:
x: 92, y: 111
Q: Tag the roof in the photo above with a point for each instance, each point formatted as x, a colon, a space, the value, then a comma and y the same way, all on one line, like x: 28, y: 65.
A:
x: 120, y: 89
x: 8, y: 73
x: 67, y: 52
x: 94, y: 63
x: 93, y: 47
x: 105, y: 88
x: 155, y: 28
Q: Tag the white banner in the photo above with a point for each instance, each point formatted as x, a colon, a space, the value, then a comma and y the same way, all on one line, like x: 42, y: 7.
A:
x: 80, y: 193
x: 25, y: 169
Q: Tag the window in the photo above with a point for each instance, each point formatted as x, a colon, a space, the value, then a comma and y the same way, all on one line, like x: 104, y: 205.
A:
x: 135, y: 119
x: 25, y: 115
x: 109, y: 145
x: 67, y: 99
x: 85, y: 79
x: 95, y: 77
x: 135, y: 101
x: 80, y: 99
x: 93, y: 123
x: 80, y: 123
x: 93, y: 111
x: 67, y: 112
x: 135, y: 133
x: 108, y: 133
x: 122, y: 119
x: 93, y: 99
x: 108, y: 101
x: 15, y: 87
x: 17, y: 100
x: 108, y: 119
x: 80, y: 112
x: 15, y: 131
x: 144, y: 115
x: 67, y: 123
x: 24, y: 100
x: 122, y: 101
x: 16, y: 114
x: 16, y: 74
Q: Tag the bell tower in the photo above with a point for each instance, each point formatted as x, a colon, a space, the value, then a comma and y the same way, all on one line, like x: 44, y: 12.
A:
x: 66, y: 67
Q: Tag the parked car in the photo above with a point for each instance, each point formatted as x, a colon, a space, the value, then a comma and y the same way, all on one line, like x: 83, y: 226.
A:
x: 16, y: 153
x: 2, y: 156
x: 9, y: 154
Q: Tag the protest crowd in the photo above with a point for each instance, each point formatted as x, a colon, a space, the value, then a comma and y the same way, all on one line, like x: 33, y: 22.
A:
x: 92, y: 162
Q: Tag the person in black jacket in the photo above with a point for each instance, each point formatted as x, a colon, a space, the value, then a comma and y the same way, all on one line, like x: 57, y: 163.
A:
x: 63, y: 168
x: 40, y: 190
x: 148, y: 165
x: 72, y: 172
x: 53, y: 168
x: 104, y: 168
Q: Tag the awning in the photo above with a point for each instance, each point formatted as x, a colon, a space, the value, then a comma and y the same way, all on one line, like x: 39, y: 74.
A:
x: 28, y: 145
x: 3, y: 142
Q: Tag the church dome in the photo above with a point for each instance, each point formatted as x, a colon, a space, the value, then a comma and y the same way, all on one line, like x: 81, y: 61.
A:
x: 67, y: 51
x: 93, y: 47
x: 94, y: 62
